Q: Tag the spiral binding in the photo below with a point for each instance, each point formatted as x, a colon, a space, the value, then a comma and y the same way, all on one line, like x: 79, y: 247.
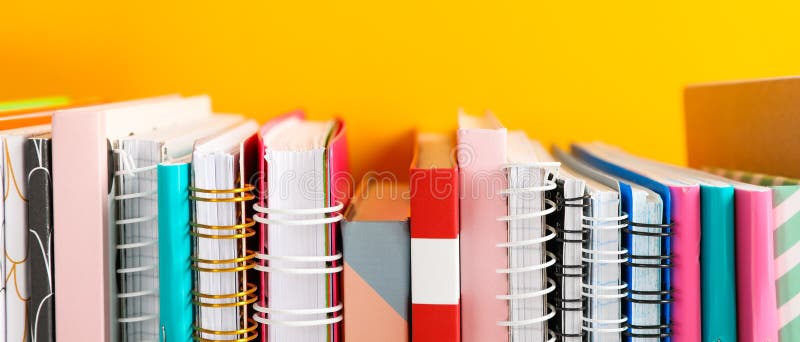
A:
x: 550, y: 174
x: 247, y: 292
x: 662, y: 296
x: 127, y: 167
x: 330, y: 215
x: 570, y: 271
x: 590, y: 256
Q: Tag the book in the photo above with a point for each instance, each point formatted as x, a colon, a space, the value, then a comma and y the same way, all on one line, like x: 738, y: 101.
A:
x: 376, y: 248
x: 435, y: 291
x: 176, y: 312
x: 644, y: 236
x: 719, y: 114
x: 135, y: 206
x: 222, y: 167
x: 304, y: 191
x: 481, y: 155
x: 41, y: 310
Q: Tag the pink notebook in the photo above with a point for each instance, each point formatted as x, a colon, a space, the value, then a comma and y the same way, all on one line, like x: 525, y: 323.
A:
x: 755, y: 270
x: 686, y: 272
x: 481, y: 157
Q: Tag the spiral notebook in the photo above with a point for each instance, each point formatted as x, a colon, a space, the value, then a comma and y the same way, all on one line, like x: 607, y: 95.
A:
x: 682, y: 205
x: 222, y: 167
x: 596, y: 241
x: 135, y: 203
x: 300, y: 259
x: 644, y: 237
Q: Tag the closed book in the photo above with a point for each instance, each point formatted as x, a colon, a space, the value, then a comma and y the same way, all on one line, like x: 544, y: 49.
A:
x: 41, y: 313
x: 434, y: 241
x: 377, y: 275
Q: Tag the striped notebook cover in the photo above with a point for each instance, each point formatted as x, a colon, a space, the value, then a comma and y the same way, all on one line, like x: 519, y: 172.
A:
x: 786, y: 210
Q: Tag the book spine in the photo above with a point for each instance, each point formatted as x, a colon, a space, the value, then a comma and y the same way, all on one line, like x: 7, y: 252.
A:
x: 174, y: 250
x: 41, y: 313
x: 80, y: 211
x: 435, y: 259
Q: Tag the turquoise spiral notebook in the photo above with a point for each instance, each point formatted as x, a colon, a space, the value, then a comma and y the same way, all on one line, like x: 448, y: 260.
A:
x: 174, y: 250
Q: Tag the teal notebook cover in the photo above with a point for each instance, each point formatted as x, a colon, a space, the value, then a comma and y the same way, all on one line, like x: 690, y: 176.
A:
x: 174, y: 252
x: 718, y: 277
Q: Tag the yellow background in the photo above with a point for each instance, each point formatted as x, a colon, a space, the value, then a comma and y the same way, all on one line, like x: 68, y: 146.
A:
x: 611, y: 70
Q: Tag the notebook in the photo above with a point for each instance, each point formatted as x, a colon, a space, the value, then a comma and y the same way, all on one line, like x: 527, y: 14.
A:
x: 786, y: 236
x: 756, y: 321
x: 222, y: 167
x: 305, y: 190
x: 81, y: 210
x: 481, y: 155
x: 135, y: 203
x: 646, y: 236
x: 377, y: 263
x: 718, y: 267
x: 176, y: 312
x: 435, y: 290
x: 682, y: 205
x: 41, y: 309
x: 15, y: 208
x: 719, y: 114
x: 571, y: 198
x: 603, y: 255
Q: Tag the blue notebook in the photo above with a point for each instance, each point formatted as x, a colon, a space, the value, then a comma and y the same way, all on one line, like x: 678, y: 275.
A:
x: 174, y: 250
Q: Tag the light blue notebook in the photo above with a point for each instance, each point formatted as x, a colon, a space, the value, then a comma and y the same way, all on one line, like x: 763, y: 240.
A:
x: 174, y: 250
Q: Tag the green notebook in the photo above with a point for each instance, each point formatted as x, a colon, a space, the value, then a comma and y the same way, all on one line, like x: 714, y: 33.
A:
x: 33, y: 103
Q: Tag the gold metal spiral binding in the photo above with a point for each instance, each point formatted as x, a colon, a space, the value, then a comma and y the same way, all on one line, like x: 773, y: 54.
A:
x: 246, y: 294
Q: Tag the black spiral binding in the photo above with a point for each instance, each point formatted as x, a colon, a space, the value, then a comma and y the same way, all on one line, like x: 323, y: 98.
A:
x: 664, y: 296
x: 560, y: 304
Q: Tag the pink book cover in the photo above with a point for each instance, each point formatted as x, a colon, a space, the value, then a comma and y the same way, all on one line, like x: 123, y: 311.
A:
x: 481, y: 157
x: 686, y: 261
x: 755, y: 270
x: 80, y: 190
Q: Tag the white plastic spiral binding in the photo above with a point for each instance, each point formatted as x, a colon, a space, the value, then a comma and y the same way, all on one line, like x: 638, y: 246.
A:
x: 551, y: 169
x: 128, y: 168
x: 592, y: 256
x: 331, y: 215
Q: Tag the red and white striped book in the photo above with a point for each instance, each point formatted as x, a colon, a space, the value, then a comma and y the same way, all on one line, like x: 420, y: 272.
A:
x: 435, y: 292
